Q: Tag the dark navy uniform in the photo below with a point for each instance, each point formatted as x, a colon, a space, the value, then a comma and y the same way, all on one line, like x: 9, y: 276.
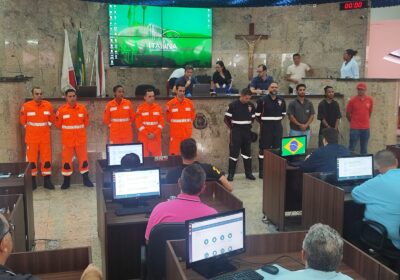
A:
x: 269, y: 113
x: 239, y: 118
x: 6, y: 274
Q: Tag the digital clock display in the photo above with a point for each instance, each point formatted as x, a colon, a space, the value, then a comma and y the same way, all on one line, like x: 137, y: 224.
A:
x: 353, y: 5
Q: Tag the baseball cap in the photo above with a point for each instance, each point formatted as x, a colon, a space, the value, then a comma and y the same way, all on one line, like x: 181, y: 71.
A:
x: 361, y: 86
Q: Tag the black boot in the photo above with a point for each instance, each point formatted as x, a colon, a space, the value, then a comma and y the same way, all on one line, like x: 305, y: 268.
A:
x: 247, y: 169
x: 47, y: 183
x: 67, y: 183
x: 86, y: 180
x: 34, y: 185
x: 260, y: 168
x: 231, y: 169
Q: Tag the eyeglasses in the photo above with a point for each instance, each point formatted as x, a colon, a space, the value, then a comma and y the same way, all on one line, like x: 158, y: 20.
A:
x: 11, y: 228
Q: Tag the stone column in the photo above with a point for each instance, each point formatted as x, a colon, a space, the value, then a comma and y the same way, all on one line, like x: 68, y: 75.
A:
x: 12, y: 96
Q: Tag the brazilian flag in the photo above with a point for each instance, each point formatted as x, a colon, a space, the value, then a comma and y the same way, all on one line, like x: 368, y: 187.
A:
x: 80, y: 62
x: 293, y: 146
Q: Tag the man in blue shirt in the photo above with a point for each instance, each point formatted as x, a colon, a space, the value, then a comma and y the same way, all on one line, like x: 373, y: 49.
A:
x: 261, y: 83
x: 324, y: 159
x: 187, y: 79
x: 322, y: 253
x: 381, y: 195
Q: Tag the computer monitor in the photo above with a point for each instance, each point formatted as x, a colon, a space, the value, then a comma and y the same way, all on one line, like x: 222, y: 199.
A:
x: 131, y: 187
x: 212, y: 239
x: 352, y: 168
x: 293, y: 146
x: 115, y: 152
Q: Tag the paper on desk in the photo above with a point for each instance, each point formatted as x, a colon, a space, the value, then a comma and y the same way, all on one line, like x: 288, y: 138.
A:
x: 267, y: 276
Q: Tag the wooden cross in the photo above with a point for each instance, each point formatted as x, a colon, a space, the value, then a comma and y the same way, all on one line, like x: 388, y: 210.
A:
x: 251, y: 39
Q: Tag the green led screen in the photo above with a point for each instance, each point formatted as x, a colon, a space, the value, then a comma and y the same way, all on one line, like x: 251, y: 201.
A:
x: 146, y: 36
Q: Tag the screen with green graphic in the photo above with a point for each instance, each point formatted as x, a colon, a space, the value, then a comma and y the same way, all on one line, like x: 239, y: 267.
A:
x: 148, y: 36
x: 294, y: 146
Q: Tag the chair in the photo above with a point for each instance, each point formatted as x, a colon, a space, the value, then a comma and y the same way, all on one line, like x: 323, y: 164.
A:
x: 375, y: 236
x: 140, y: 90
x: 156, y: 249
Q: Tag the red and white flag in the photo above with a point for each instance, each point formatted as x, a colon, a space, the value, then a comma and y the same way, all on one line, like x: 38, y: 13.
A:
x: 100, y: 75
x: 68, y: 79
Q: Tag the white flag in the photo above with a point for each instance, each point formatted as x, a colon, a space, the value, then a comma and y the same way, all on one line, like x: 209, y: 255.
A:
x: 68, y: 79
x: 100, y: 75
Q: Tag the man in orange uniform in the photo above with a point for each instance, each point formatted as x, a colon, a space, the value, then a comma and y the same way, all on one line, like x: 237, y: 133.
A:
x: 180, y: 115
x: 73, y: 119
x: 37, y: 116
x: 150, y: 122
x: 119, y: 116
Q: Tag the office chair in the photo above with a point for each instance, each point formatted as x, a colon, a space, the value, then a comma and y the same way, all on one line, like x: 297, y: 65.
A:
x: 154, y: 262
x: 375, y: 236
x: 140, y: 90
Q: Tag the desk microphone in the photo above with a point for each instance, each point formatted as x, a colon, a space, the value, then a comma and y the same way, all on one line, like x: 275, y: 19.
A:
x: 20, y: 75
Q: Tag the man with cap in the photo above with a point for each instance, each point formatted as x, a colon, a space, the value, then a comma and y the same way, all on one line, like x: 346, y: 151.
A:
x: 358, y: 112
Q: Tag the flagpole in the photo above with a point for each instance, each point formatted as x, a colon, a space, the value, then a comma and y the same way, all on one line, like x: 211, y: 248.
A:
x: 94, y: 59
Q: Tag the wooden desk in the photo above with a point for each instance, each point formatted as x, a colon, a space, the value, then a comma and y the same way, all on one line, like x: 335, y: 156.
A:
x: 261, y: 249
x: 14, y: 206
x: 282, y: 188
x: 121, y: 237
x: 21, y: 185
x: 395, y: 149
x: 104, y: 180
x: 61, y: 264
x: 325, y: 203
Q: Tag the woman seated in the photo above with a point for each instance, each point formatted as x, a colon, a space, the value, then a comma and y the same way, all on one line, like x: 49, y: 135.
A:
x: 221, y: 78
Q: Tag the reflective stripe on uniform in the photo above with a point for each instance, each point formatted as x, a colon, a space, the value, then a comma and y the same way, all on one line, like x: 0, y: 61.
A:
x: 283, y: 113
x: 228, y: 114
x: 271, y: 118
x: 160, y: 126
x: 241, y: 122
x: 245, y: 157
x: 38, y: 123
x: 181, y: 120
x: 258, y: 114
x: 120, y: 120
x: 234, y: 159
x: 73, y: 126
x: 141, y: 128
x: 150, y: 123
x: 260, y: 156
x: 64, y: 173
x: 46, y: 172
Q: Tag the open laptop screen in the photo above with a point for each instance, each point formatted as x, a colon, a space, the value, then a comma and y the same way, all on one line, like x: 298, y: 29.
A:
x: 352, y: 168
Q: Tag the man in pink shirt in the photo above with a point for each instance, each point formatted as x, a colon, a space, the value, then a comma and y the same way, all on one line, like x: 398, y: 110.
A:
x: 187, y: 205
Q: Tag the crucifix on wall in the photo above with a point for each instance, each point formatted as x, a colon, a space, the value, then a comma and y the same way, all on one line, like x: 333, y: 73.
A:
x: 252, y: 40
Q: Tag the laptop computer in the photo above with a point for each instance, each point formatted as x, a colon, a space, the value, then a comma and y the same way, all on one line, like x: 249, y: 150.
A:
x: 352, y: 171
x: 201, y: 90
x: 87, y: 91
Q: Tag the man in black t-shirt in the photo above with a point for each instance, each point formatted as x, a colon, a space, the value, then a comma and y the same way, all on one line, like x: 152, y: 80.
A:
x: 328, y: 112
x: 188, y: 148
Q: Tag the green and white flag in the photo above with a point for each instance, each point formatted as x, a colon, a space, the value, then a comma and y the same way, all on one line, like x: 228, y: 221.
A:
x: 80, y: 67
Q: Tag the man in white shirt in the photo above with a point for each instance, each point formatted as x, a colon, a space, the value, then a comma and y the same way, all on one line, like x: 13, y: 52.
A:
x: 296, y: 72
x: 322, y: 253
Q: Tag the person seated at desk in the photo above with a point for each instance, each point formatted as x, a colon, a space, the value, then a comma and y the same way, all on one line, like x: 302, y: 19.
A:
x: 188, y: 149
x: 6, y: 247
x: 381, y: 196
x: 188, y: 80
x: 187, y: 204
x: 324, y: 159
x: 130, y: 161
x: 322, y: 253
x: 221, y: 78
x: 260, y: 84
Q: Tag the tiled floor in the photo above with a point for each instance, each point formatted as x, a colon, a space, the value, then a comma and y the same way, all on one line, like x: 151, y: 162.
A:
x: 67, y: 218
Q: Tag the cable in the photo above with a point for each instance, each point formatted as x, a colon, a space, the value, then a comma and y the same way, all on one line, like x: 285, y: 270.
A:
x: 263, y: 263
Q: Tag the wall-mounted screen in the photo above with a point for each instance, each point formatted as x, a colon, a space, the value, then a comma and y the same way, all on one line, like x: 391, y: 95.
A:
x: 148, y: 36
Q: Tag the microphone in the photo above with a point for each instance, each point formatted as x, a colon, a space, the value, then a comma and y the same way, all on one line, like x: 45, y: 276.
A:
x: 20, y: 75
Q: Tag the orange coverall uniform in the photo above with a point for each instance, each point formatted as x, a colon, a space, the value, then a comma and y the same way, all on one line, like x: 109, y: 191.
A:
x: 119, y: 119
x: 73, y: 122
x: 37, y: 120
x: 150, y: 119
x: 180, y: 116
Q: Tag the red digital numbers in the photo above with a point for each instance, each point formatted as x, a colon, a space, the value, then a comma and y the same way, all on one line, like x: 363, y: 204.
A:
x: 352, y: 5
